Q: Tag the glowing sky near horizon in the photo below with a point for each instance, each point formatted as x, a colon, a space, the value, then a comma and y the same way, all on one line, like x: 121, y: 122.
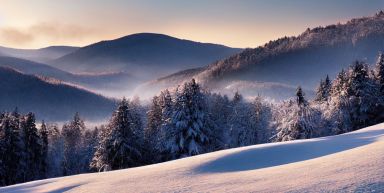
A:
x: 236, y: 23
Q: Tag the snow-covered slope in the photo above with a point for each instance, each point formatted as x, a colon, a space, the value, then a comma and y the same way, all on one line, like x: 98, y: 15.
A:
x: 352, y: 162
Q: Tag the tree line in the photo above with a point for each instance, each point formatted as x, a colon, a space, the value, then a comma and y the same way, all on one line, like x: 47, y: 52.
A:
x: 186, y: 122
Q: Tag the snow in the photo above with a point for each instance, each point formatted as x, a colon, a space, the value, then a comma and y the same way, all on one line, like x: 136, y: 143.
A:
x: 351, y: 162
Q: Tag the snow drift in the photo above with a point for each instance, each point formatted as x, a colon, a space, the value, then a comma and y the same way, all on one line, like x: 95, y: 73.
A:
x: 351, y: 162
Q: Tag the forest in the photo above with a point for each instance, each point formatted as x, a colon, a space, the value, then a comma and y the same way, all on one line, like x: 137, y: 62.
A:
x: 187, y: 122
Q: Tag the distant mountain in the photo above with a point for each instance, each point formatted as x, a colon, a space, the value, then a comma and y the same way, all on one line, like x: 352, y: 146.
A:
x: 38, y: 55
x: 49, y: 99
x: 145, y: 54
x: 107, y: 83
x: 301, y: 60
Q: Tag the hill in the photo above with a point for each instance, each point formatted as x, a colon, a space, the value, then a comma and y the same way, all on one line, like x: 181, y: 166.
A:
x: 146, y: 54
x: 50, y: 99
x: 301, y: 60
x: 351, y: 162
x: 38, y: 55
x: 106, y: 83
x: 305, y: 59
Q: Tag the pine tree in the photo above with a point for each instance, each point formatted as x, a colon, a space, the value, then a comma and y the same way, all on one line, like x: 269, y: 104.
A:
x: 3, y: 147
x: 300, y: 97
x: 153, y: 130
x: 297, y: 121
x: 323, y: 90
x: 354, y: 99
x: 100, y: 158
x: 120, y: 146
x: 189, y: 135
x: 73, y: 135
x: 328, y: 85
x: 242, y: 125
x: 166, y: 105
x: 90, y: 142
x: 14, y: 149
x: 43, y: 132
x: 154, y: 120
x: 379, y: 71
x: 262, y: 114
x: 220, y: 110
x: 237, y: 97
x: 361, y: 92
x: 55, y: 151
x: 320, y: 91
x: 137, y: 112
x: 33, y: 147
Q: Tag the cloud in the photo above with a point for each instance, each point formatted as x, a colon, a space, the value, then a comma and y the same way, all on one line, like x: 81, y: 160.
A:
x: 44, y: 32
x: 14, y: 36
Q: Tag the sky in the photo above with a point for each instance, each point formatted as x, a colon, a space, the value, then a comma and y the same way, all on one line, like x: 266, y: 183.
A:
x: 235, y: 23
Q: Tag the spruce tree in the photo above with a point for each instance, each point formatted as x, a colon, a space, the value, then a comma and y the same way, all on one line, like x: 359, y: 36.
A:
x: 14, y: 149
x: 323, y: 90
x: 300, y: 97
x: 100, y: 158
x: 137, y: 112
x: 153, y: 130
x: 262, y: 114
x: 166, y: 127
x: 237, y: 97
x: 154, y: 116
x: 220, y: 111
x: 242, y: 125
x: 297, y: 121
x: 379, y: 71
x: 43, y: 132
x: 33, y: 147
x: 362, y: 95
x: 189, y: 135
x: 55, y: 151
x: 320, y: 91
x: 3, y: 146
x: 120, y: 145
x: 73, y: 135
x: 90, y: 142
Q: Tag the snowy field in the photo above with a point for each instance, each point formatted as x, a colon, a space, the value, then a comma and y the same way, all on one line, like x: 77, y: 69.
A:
x: 352, y: 162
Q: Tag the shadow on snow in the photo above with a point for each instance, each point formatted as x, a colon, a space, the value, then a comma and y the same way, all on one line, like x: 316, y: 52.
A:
x: 285, y: 153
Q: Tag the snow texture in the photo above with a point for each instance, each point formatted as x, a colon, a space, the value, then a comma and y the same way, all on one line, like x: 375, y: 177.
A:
x: 351, y: 162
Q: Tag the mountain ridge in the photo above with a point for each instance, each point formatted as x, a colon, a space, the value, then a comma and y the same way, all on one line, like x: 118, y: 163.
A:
x: 143, y: 52
x: 298, y: 60
x: 101, y: 83
x: 45, y: 54
x: 49, y: 98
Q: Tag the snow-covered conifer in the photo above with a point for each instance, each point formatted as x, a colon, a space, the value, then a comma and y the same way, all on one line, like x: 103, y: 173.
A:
x: 219, y: 111
x: 90, y: 142
x: 379, y: 71
x: 242, y: 125
x: 120, y: 145
x: 55, y: 151
x: 297, y: 121
x: 73, y: 135
x: 13, y: 147
x: 33, y: 147
x: 189, y: 135
x: 43, y: 132
x: 323, y: 90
